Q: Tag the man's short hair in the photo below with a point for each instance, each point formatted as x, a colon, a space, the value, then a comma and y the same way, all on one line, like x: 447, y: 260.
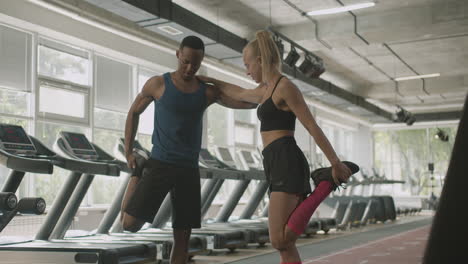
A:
x: 193, y: 42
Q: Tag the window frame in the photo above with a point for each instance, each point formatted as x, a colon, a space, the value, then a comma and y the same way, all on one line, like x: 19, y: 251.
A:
x: 67, y: 86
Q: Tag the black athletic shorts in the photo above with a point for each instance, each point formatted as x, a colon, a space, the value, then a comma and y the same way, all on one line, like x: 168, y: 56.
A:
x: 286, y: 167
x: 157, y: 179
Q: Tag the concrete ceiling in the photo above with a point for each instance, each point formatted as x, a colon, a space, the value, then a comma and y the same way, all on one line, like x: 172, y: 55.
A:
x: 363, y: 51
x: 393, y: 39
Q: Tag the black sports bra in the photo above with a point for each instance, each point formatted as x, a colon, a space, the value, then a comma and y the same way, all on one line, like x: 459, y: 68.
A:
x: 272, y: 118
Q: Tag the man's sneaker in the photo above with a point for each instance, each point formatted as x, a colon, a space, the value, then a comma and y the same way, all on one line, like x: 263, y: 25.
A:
x: 325, y: 174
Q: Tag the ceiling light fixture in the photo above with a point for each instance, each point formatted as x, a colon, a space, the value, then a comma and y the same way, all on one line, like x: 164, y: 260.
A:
x: 312, y: 66
x: 170, y: 30
x: 341, y: 9
x: 432, y: 75
x: 403, y: 115
x: 292, y: 57
x: 442, y: 135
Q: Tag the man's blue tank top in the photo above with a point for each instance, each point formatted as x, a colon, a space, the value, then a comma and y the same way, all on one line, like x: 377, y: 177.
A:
x: 178, y: 123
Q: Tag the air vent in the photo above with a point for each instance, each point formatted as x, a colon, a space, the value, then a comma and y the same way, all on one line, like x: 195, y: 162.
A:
x: 170, y: 30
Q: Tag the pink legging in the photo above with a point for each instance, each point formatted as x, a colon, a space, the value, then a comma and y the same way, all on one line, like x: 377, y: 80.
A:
x: 301, y: 215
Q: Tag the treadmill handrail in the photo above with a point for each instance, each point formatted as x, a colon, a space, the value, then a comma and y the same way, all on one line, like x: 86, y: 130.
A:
x: 25, y: 164
x: 122, y: 165
x: 87, y: 167
x: 374, y: 181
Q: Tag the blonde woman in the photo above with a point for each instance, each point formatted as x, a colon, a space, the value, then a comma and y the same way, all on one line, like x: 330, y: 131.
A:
x: 285, y: 165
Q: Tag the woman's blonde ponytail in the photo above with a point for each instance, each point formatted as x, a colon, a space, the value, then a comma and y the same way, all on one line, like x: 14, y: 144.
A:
x: 265, y: 47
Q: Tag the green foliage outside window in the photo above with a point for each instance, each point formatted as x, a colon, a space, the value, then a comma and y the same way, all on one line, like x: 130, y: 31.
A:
x: 14, y: 102
x: 405, y: 154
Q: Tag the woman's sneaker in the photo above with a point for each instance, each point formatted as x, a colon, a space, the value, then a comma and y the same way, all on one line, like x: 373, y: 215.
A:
x: 325, y: 174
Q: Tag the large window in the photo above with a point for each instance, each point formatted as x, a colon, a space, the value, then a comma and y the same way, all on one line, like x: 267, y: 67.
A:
x: 349, y: 142
x: 405, y: 155
x: 109, y: 119
x: 244, y: 134
x: 244, y: 116
x: 14, y: 102
x: 322, y: 160
x: 63, y: 87
x: 217, y: 125
x: 15, y: 59
x: 245, y: 128
x: 113, y: 84
x: 104, y: 188
x: 114, y: 89
x: 341, y: 139
x: 15, y: 86
x: 303, y: 140
x: 63, y: 62
x: 146, y: 124
x: 145, y: 141
x: 61, y: 102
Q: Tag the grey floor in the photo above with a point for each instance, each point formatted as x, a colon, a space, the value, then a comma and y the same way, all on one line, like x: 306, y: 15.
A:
x: 320, y: 244
x: 345, y: 241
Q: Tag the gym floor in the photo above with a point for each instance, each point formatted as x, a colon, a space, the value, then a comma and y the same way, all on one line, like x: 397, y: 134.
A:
x: 402, y: 241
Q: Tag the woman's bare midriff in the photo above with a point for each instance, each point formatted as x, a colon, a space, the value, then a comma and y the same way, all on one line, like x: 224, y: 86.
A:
x: 270, y: 136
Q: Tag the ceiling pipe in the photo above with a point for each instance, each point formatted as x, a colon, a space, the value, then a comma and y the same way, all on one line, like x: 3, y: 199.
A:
x: 397, y: 90
x: 304, y: 14
x: 454, y: 115
x: 409, y: 67
x: 166, y: 9
x: 355, y: 24
x: 427, y: 39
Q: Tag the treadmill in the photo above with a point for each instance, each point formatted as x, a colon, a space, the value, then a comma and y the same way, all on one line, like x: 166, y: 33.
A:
x: 164, y: 242
x: 9, y: 204
x: 218, y: 237
x: 27, y: 154
x: 258, y: 226
x: 258, y: 232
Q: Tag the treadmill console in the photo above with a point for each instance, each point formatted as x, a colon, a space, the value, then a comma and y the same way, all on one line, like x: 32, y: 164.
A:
x: 225, y: 154
x: 208, y: 159
x: 248, y: 157
x: 14, y: 139
x: 79, y: 145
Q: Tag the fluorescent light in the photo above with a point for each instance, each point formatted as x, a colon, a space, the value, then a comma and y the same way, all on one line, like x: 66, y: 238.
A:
x: 170, y: 30
x: 340, y: 9
x: 417, y: 77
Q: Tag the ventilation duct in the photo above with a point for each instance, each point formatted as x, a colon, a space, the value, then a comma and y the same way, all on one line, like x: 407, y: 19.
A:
x: 169, y: 19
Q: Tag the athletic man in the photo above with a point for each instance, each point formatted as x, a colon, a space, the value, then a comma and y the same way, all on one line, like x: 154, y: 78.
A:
x: 180, y: 101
